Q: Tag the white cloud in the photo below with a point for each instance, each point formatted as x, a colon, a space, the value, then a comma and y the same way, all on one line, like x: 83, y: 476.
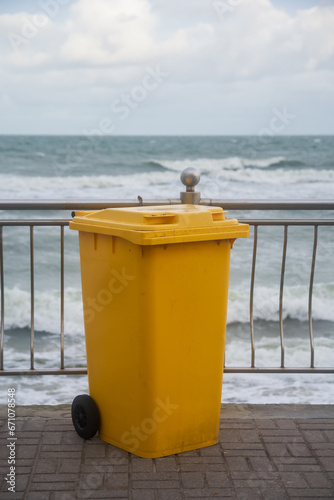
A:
x: 99, y: 49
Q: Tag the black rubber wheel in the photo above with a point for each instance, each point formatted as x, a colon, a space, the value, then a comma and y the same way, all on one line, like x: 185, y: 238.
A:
x: 85, y: 416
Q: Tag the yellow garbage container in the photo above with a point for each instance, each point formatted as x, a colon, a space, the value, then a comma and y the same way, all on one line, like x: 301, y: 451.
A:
x: 154, y: 285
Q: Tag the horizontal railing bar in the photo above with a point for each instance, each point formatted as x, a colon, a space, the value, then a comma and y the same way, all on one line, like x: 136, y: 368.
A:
x: 287, y: 222
x: 79, y: 204
x: 75, y: 371
x: 65, y: 371
x: 277, y: 370
x: 35, y: 222
x: 270, y: 204
x: 252, y: 222
x: 227, y: 204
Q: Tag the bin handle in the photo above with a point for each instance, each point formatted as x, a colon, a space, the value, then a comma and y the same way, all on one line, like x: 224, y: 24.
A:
x: 160, y: 219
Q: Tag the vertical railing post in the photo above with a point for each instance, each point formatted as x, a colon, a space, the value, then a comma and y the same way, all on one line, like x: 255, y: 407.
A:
x: 2, y: 288
x: 281, y: 293
x: 314, y: 254
x: 62, y: 297
x: 32, y: 298
x: 251, y: 301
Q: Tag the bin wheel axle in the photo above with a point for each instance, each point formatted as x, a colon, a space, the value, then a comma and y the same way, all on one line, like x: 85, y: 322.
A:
x: 85, y: 416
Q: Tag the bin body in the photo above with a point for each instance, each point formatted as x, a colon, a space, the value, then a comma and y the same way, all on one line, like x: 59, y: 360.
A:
x: 155, y: 320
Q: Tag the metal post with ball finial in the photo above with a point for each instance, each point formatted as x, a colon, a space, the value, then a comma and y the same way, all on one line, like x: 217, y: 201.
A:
x: 190, y: 177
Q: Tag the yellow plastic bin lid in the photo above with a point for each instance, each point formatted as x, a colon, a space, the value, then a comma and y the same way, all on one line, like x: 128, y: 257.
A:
x: 158, y: 225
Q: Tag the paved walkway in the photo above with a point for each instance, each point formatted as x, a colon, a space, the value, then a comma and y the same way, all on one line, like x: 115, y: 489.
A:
x: 265, y: 452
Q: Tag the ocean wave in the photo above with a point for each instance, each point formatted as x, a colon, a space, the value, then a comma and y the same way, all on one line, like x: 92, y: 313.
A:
x: 280, y: 176
x: 15, y: 185
x: 266, y: 300
x: 295, y: 303
x: 209, y: 165
x: 47, y: 310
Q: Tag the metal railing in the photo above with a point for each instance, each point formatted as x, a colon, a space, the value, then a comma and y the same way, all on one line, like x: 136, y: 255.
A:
x: 10, y: 205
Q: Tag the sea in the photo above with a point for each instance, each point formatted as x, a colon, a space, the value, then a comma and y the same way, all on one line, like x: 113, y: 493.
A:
x: 99, y: 168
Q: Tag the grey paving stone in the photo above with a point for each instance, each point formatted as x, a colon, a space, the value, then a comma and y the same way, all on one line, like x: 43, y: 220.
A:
x: 200, y: 460
x: 155, y: 484
x: 278, y: 449
x: 245, y: 453
x: 35, y: 495
x: 143, y: 495
x: 54, y: 486
x: 55, y: 448
x: 248, y: 494
x: 329, y: 434
x: 293, y: 480
x: 166, y: 464
x: 318, y: 480
x: 7, y: 495
x: 203, y: 467
x: 141, y: 465
x: 34, y: 425
x: 94, y: 494
x: 42, y: 478
x: 312, y: 493
x: 317, y: 425
x: 91, y: 480
x: 52, y: 437
x: 192, y: 479
x: 295, y: 460
x: 249, y: 475
x: 282, y: 439
x: 286, y: 423
x: 156, y: 476
x: 61, y: 495
x: 169, y: 495
x: 238, y: 464
x: 69, y: 466
x: 299, y: 450
x: 208, y: 493
x: 215, y: 480
x: 314, y: 436
x: 113, y: 452
x: 25, y: 451
x: 210, y: 451
x: 249, y: 436
x: 116, y: 481
x: 327, y: 463
x: 266, y: 424
x: 285, y: 433
x: 21, y: 482
x: 229, y: 436
x: 95, y: 450
x: 70, y: 437
x: 191, y: 453
x: 274, y: 492
x: 261, y: 463
x: 242, y: 446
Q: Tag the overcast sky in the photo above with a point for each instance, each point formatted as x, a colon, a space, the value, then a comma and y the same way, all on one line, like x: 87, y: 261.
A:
x: 166, y: 67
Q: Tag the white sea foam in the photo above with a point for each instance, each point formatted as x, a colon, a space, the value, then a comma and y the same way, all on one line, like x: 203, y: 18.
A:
x: 47, y: 310
x: 149, y: 183
x: 80, y: 186
x: 266, y: 300
x: 295, y: 303
x: 209, y: 165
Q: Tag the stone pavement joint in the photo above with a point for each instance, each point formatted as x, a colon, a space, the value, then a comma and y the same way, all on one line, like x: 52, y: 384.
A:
x: 264, y: 452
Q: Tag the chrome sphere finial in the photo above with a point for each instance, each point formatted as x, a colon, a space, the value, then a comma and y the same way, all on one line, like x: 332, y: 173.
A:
x: 190, y: 178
